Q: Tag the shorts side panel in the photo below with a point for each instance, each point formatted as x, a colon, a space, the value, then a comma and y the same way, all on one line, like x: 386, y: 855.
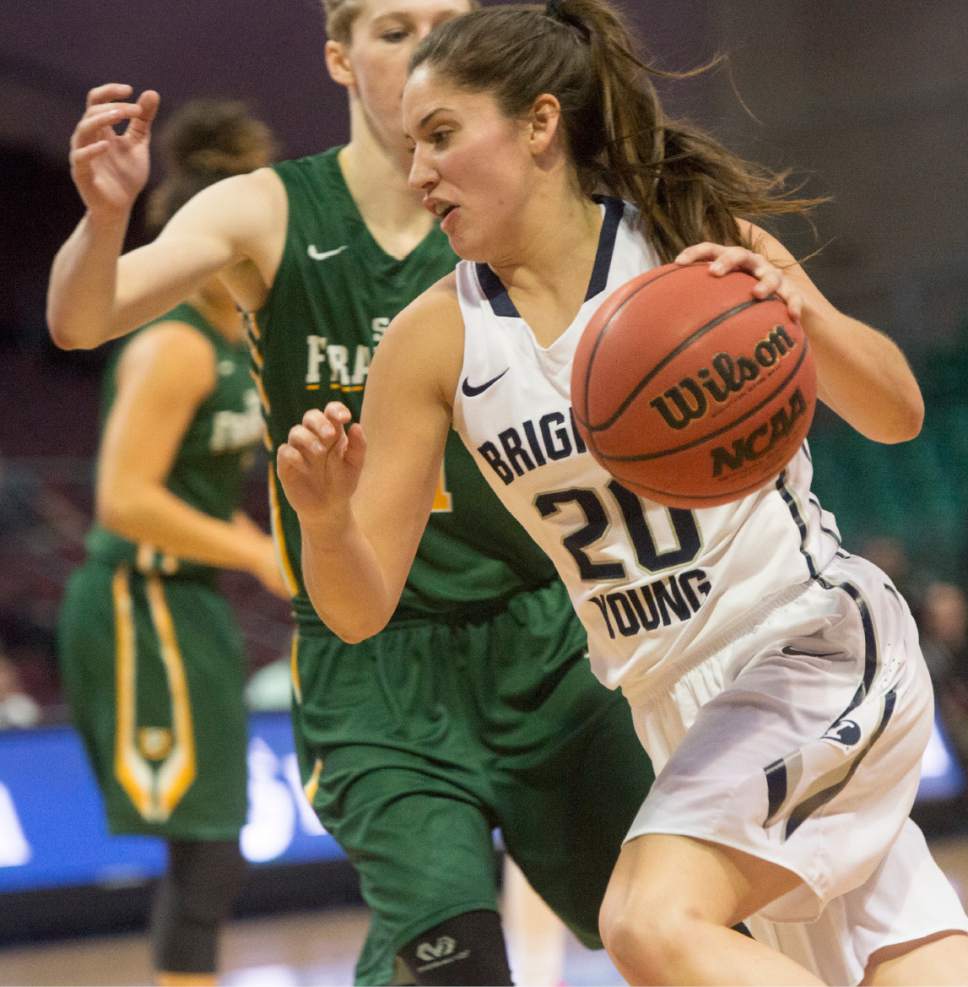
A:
x: 804, y: 739
x: 153, y: 671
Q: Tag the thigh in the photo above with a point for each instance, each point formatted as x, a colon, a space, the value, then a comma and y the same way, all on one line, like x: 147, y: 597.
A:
x: 210, y: 644
x: 154, y: 674
x: 565, y: 814
x: 423, y: 851
x: 394, y: 773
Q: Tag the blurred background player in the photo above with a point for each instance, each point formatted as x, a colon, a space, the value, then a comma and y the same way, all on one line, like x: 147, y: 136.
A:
x: 150, y: 653
x: 476, y: 708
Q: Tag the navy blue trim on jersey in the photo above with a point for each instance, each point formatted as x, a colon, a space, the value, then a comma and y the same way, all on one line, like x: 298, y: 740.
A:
x: 497, y: 294
x: 815, y: 502
x: 614, y: 210
x: 870, y: 639
x: 791, y: 503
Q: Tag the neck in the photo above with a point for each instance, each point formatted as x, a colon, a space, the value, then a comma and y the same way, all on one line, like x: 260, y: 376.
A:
x: 547, y: 276
x: 561, y: 262
x: 376, y: 176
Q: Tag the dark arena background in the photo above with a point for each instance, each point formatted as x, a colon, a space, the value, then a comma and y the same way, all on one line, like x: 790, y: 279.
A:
x: 867, y: 101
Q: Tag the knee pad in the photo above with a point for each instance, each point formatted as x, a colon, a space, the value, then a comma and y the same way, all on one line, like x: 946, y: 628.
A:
x: 193, y: 899
x: 466, y: 949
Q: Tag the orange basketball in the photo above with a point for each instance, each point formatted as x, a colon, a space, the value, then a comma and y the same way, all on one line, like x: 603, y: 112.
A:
x: 691, y: 391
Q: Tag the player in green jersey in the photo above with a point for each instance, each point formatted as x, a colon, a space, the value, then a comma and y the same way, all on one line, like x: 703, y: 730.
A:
x: 475, y: 709
x: 150, y: 652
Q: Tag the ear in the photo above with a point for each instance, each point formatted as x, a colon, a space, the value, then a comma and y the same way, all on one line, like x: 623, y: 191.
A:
x: 544, y: 121
x: 338, y: 63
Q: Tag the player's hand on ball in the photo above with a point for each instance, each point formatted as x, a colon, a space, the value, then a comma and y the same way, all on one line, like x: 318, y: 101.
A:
x: 109, y: 168
x: 722, y: 260
x: 320, y: 464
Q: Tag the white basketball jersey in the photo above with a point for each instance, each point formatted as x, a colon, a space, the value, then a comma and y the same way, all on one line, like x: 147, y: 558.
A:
x: 657, y: 589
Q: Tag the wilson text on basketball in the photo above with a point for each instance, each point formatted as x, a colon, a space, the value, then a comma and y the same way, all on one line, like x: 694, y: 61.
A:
x: 687, y: 401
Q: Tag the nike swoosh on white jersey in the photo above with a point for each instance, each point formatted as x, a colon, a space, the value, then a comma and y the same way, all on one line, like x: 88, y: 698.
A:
x: 318, y: 254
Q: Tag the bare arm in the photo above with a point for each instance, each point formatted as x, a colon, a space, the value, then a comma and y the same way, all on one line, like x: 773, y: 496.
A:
x: 95, y: 294
x: 861, y: 374
x: 163, y: 377
x: 361, y: 524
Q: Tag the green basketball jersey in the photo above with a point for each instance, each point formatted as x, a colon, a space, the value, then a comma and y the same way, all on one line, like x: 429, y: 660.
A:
x: 210, y: 463
x: 334, y: 295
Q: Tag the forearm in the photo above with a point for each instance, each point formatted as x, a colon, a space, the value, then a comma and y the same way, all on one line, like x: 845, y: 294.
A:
x: 156, y: 516
x: 864, y: 376
x: 345, y: 580
x: 83, y: 283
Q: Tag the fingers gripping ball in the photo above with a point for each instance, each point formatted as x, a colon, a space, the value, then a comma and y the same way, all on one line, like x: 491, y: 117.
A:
x: 691, y: 391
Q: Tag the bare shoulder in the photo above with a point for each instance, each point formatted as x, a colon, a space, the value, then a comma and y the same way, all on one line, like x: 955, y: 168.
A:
x: 434, y: 315
x: 428, y: 336
x: 173, y: 355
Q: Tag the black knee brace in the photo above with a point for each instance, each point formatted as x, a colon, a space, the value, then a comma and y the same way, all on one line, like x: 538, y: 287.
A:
x: 466, y: 949
x: 192, y: 901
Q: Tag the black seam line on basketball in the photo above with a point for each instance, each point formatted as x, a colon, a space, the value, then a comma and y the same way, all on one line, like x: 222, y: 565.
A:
x: 646, y: 456
x: 694, y: 499
x: 685, y: 344
x: 602, y: 334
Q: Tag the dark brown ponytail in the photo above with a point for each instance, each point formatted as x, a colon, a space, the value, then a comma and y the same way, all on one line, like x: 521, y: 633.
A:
x: 687, y: 186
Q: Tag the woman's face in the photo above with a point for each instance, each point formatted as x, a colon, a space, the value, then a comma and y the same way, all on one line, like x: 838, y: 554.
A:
x: 472, y: 163
x: 382, y: 38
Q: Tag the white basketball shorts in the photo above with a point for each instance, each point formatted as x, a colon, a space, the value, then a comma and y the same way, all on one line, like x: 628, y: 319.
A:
x: 800, y: 743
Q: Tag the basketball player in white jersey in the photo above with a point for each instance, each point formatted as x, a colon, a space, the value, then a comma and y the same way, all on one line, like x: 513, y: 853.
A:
x: 774, y: 678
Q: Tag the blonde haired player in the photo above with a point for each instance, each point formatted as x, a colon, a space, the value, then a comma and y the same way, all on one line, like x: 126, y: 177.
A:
x: 475, y: 708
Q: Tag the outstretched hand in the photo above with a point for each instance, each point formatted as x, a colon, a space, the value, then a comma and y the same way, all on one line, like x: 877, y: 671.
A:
x: 772, y: 281
x: 109, y: 168
x: 319, y: 466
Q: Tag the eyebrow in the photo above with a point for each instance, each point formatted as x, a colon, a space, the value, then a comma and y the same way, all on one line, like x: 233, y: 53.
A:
x: 392, y: 14
x: 440, y: 109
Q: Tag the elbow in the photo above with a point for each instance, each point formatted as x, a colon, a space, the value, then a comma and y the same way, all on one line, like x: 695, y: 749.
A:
x: 65, y: 336
x: 352, y: 637
x: 61, y: 335
x: 110, y: 514
x: 116, y: 511
x: 352, y: 628
x: 908, y: 420
x: 355, y: 633
x: 914, y: 423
